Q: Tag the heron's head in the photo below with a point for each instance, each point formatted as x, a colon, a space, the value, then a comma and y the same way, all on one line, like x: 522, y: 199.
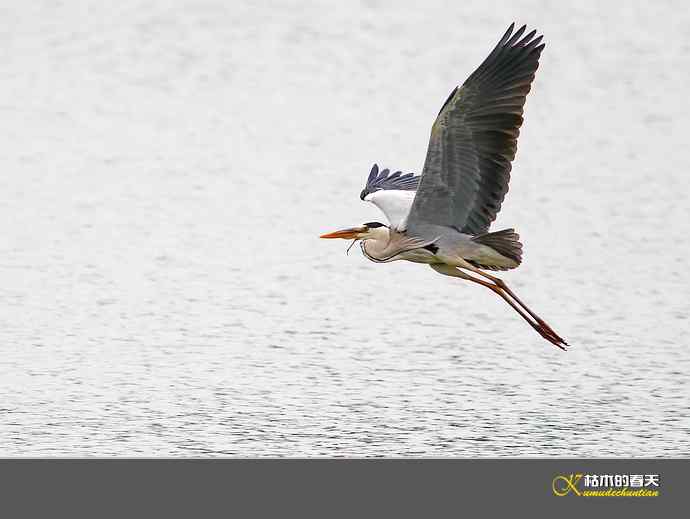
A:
x: 368, y: 231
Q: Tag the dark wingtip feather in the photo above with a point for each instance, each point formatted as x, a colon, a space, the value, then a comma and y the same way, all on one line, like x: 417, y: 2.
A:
x: 507, y: 34
x: 373, y: 173
x: 383, y: 180
x: 536, y: 41
x: 516, y: 36
x: 527, y: 38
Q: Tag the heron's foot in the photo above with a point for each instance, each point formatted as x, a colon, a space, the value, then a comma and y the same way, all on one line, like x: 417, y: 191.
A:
x: 545, y: 331
x: 545, y: 326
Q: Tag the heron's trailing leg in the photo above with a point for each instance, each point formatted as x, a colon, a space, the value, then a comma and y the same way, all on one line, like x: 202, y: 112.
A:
x: 501, y: 284
x: 545, y: 332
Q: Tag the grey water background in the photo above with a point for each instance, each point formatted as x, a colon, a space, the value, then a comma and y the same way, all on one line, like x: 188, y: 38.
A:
x: 166, y: 170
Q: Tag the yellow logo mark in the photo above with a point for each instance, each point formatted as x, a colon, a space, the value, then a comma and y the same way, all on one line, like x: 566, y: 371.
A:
x: 563, y: 485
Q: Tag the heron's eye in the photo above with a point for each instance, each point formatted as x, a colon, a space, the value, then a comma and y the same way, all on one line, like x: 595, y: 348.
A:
x: 373, y: 225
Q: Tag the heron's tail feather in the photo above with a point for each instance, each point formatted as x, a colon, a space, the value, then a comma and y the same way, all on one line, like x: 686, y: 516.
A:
x: 506, y: 243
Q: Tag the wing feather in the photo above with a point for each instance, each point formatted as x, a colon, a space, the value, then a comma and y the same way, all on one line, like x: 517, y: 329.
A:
x: 474, y: 139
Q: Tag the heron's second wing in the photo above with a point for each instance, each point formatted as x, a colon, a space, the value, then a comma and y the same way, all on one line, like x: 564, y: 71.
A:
x: 392, y: 194
x: 474, y: 139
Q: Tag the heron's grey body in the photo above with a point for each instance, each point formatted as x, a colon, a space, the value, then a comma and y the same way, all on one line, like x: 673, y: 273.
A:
x: 442, y: 217
x: 448, y: 246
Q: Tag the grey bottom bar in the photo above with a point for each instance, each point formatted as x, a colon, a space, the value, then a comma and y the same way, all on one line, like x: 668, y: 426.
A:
x: 343, y: 488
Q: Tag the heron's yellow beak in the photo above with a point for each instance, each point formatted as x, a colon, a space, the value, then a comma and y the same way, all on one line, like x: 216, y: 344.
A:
x: 346, y: 234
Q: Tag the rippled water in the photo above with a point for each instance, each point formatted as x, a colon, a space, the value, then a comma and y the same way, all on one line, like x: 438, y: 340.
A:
x: 168, y: 166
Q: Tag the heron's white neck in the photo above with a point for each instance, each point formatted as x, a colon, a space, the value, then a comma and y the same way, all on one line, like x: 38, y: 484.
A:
x: 390, y: 245
x: 374, y: 245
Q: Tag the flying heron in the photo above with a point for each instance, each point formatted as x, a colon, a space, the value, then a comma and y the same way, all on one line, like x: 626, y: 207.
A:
x: 442, y: 217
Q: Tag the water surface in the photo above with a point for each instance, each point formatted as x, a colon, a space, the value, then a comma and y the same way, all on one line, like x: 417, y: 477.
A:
x: 167, y: 168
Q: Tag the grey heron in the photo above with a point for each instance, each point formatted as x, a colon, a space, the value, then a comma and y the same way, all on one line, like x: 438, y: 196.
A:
x: 442, y: 217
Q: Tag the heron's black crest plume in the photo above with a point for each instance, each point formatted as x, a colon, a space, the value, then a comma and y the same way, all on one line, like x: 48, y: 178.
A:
x: 374, y: 225
x: 384, y: 180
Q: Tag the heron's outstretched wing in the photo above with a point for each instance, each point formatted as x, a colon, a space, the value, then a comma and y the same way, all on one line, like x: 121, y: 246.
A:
x: 392, y: 194
x: 474, y: 139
